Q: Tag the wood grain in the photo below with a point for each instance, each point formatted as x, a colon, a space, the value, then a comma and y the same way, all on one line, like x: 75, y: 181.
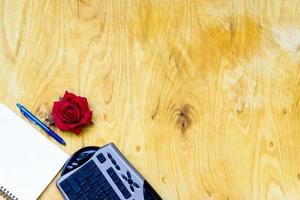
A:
x: 203, y: 97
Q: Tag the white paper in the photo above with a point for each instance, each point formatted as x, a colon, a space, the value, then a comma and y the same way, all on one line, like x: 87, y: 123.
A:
x: 28, y: 160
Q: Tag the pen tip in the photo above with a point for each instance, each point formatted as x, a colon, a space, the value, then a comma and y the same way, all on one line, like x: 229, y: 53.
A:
x: 18, y: 105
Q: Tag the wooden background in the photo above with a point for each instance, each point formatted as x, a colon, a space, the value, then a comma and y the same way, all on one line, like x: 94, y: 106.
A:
x: 203, y: 97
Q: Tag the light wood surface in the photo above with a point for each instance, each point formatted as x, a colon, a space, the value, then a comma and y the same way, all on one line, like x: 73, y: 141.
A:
x: 203, y: 97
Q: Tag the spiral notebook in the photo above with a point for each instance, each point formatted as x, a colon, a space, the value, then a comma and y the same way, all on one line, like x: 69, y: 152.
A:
x: 28, y: 160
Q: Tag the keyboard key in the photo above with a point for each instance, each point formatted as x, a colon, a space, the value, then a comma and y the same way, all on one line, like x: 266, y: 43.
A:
x: 82, y: 183
x: 126, y: 193
x: 101, y: 179
x: 101, y: 158
x: 78, y: 176
x: 111, y: 194
x: 88, y: 173
x: 128, y: 174
x: 111, y: 172
x: 102, y: 195
x: 96, y: 188
x: 91, y: 195
x: 97, y: 198
x: 124, y: 177
x: 109, y: 156
x: 86, y: 187
x: 115, y: 197
x: 71, y: 195
x: 121, y: 186
x: 117, y: 167
x: 130, y: 181
x: 116, y: 179
x: 96, y: 173
x: 106, y: 186
x: 82, y: 195
x: 136, y: 185
x: 91, y: 180
x: 85, y: 171
x: 132, y: 188
x: 113, y: 161
x: 89, y: 164
x: 65, y: 186
x: 74, y: 185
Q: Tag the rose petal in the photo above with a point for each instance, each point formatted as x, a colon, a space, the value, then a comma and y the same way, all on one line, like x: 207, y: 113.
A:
x: 72, y: 114
x: 86, y: 118
x: 84, y: 103
x: 68, y: 97
x: 64, y: 105
x: 78, y: 103
x: 60, y: 124
x: 77, y: 130
x: 56, y: 106
x: 63, y: 109
x: 75, y: 125
x: 65, y: 118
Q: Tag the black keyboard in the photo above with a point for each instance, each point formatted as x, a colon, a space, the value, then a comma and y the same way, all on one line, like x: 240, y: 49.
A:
x: 88, y: 183
x: 103, y: 174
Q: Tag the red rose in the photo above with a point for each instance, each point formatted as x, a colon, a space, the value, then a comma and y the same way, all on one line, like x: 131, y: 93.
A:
x: 71, y: 113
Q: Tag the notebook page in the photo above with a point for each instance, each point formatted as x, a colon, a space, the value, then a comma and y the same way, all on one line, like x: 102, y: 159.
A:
x: 28, y: 160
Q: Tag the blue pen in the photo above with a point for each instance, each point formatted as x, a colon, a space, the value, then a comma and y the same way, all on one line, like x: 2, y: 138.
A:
x: 36, y: 121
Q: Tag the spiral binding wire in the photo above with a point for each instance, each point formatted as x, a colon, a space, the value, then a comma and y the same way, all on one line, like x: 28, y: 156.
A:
x: 6, y: 194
